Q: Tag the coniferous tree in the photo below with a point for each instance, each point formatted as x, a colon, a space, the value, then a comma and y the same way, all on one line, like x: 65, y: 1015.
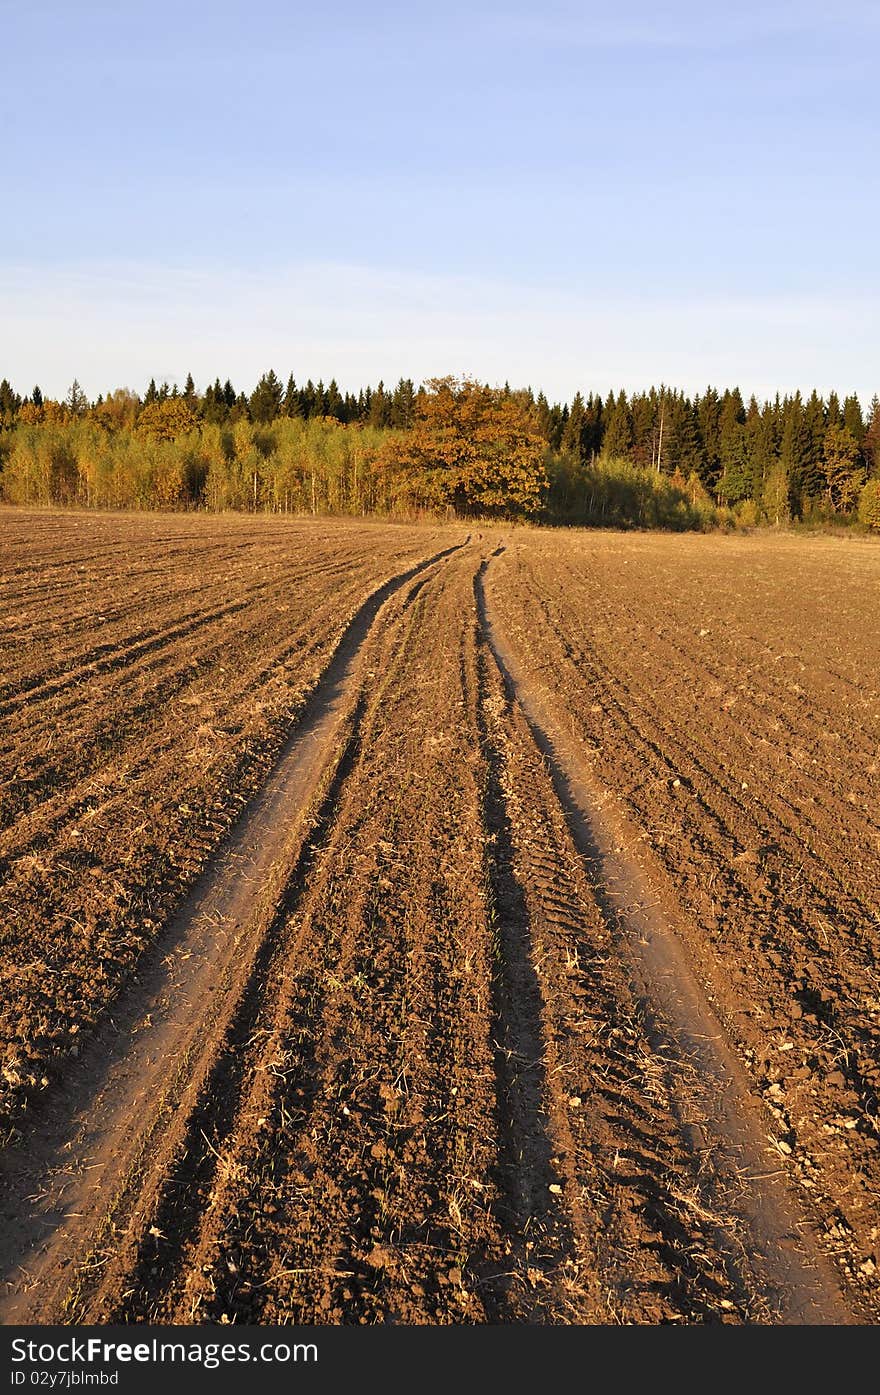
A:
x: 333, y: 404
x: 594, y: 425
x: 759, y: 453
x: 291, y: 405
x: 733, y: 484
x: 558, y: 420
x: 380, y: 406
x: 542, y: 416
x: 214, y: 406
x: 617, y: 440
x: 9, y: 400
x: 573, y: 434
x: 685, y: 451
x: 794, y: 451
x: 811, y: 479
x: 37, y: 396
x: 853, y: 419
x: 76, y: 401
x: 642, y: 413
x: 403, y: 404
x: 709, y: 415
x: 266, y: 398
x: 871, y: 444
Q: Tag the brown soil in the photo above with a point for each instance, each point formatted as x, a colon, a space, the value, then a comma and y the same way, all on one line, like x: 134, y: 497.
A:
x: 473, y: 1014
x: 151, y: 669
x: 725, y: 692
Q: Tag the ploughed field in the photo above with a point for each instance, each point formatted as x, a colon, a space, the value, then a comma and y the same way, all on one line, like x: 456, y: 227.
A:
x: 434, y: 924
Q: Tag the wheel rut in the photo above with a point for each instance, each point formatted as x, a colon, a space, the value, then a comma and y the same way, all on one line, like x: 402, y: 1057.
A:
x: 423, y: 1043
x: 89, y: 1166
x: 728, y: 1126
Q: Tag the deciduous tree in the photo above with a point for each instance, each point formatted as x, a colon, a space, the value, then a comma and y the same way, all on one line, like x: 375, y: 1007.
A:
x: 471, y: 448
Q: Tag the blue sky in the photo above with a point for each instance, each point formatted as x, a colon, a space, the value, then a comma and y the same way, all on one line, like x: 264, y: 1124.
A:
x: 572, y: 195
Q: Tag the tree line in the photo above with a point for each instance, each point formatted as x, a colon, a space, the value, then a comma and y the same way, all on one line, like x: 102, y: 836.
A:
x: 655, y: 458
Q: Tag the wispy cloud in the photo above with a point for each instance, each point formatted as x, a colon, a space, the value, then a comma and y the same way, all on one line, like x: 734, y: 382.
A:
x: 127, y: 323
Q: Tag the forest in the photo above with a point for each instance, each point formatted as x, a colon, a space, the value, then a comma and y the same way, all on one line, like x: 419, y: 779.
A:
x: 451, y: 447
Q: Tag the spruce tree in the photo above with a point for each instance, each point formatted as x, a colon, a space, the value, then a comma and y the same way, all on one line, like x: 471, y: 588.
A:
x: 558, y: 419
x: 853, y: 419
x: 594, y: 425
x: 794, y: 451
x: 811, y: 479
x: 618, y: 427
x: 76, y: 401
x: 214, y: 407
x: 685, y: 451
x: 266, y: 398
x: 871, y: 443
x: 403, y: 403
x: 333, y: 404
x: 542, y: 416
x: 758, y: 448
x: 643, y: 429
x: 573, y: 432
x: 380, y: 406
x: 291, y: 405
x: 9, y: 400
x: 733, y: 484
x: 709, y: 416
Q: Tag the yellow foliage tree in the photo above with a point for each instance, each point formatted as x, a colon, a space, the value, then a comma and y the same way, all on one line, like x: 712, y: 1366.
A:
x: 473, y: 448
x: 118, y: 411
x: 844, y: 474
x: 869, y: 504
x: 164, y: 421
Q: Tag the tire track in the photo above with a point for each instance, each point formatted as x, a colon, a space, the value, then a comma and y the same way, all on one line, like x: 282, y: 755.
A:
x: 798, y: 1280
x: 541, y: 1236
x: 645, y: 1235
x: 149, y: 1258
x: 349, y: 1216
x: 151, y: 1063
